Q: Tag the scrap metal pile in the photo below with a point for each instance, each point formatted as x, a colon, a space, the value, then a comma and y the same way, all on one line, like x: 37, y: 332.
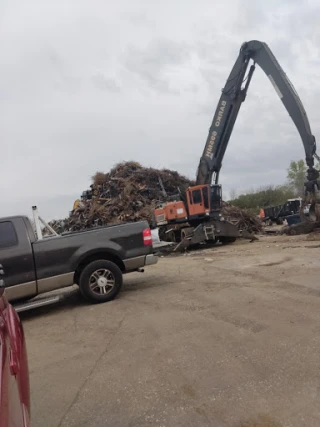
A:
x: 129, y: 192
x: 243, y: 219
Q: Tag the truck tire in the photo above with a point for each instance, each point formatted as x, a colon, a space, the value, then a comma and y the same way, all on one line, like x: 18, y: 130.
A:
x: 100, y: 281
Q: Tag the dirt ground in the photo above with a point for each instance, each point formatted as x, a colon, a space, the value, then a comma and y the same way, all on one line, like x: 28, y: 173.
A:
x: 222, y: 337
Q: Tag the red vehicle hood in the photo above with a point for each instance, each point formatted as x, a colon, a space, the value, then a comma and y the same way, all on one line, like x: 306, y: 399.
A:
x: 14, y: 374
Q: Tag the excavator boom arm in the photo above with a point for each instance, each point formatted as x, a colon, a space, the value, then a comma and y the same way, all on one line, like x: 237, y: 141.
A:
x: 263, y: 56
x: 233, y: 94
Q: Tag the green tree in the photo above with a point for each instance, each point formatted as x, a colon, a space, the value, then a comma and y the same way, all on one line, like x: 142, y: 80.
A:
x: 297, y: 176
x: 263, y: 197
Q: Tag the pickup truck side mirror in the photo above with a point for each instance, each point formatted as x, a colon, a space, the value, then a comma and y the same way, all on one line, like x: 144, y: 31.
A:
x: 2, y: 285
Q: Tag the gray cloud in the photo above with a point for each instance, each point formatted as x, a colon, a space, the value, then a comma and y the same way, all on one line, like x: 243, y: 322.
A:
x: 154, y: 63
x: 105, y: 83
x: 84, y: 87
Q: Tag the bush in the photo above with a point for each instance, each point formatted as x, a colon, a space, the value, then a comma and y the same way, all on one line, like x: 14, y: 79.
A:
x: 263, y: 197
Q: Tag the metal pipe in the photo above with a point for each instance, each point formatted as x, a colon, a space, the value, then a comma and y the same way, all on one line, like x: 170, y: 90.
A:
x: 37, y: 222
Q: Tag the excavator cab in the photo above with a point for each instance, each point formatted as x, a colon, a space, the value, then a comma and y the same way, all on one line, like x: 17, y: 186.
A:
x: 203, y: 200
x: 200, y: 201
x: 215, y: 197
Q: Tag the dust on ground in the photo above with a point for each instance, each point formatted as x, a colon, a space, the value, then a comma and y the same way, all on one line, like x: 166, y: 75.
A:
x: 220, y: 337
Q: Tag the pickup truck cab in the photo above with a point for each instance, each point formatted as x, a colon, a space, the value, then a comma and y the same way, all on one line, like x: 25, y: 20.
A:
x: 14, y: 373
x: 95, y: 259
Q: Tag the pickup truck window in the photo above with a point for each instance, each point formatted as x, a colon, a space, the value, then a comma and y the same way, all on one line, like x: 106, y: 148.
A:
x: 8, y: 236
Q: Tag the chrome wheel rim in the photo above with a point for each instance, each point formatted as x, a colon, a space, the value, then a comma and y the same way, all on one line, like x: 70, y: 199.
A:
x: 102, y: 281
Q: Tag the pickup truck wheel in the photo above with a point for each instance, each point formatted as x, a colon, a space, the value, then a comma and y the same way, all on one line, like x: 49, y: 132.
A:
x: 100, y: 281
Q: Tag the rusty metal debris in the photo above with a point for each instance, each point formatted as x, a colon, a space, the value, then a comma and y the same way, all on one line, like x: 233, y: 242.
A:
x: 301, y: 228
x: 127, y: 193
x: 242, y: 218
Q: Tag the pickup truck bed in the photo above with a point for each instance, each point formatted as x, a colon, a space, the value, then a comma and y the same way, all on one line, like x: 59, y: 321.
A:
x: 93, y: 259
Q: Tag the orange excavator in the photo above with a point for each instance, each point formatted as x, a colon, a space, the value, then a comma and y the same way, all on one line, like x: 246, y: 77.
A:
x: 195, y: 215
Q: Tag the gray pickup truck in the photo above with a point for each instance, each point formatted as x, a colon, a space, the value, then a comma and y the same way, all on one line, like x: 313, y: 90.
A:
x: 95, y: 260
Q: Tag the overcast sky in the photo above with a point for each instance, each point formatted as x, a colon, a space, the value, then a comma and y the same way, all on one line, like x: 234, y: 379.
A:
x: 88, y: 83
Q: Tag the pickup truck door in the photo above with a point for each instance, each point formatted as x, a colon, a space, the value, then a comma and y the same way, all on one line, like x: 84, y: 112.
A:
x: 16, y: 256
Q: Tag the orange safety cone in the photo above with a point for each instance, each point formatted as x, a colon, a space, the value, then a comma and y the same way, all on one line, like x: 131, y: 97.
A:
x: 261, y: 214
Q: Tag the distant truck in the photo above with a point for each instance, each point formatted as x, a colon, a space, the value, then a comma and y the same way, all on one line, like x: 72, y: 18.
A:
x: 279, y: 213
x: 95, y: 259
